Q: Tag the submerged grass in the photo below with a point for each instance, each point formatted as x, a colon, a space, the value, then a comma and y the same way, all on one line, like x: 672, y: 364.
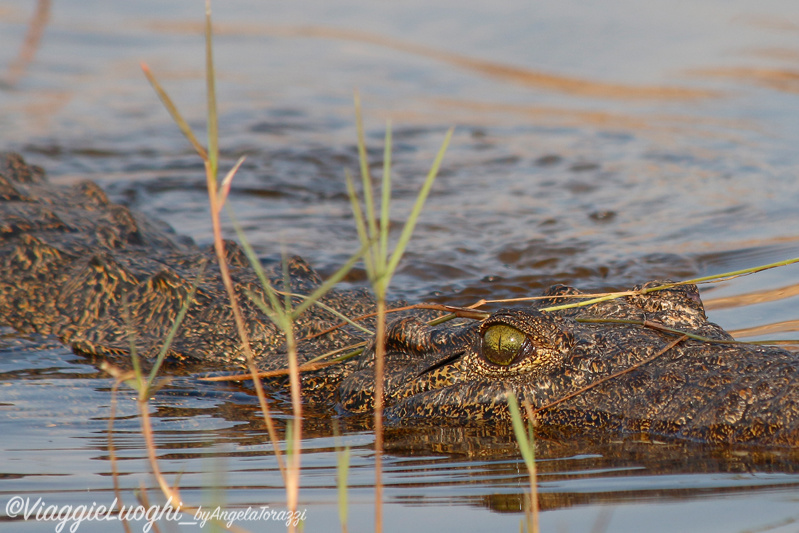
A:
x: 526, y: 441
x: 146, y: 386
x: 342, y: 471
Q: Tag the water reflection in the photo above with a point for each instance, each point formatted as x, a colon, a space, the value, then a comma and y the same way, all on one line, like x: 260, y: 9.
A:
x: 785, y: 80
x: 495, y: 70
x: 477, y: 465
x: 30, y: 45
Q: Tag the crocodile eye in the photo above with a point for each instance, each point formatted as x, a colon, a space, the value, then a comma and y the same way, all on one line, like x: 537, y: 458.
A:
x: 502, y: 344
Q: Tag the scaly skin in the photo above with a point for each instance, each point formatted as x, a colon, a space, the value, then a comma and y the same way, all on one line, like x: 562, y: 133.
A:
x: 709, y: 392
x: 74, y: 265
x: 70, y: 259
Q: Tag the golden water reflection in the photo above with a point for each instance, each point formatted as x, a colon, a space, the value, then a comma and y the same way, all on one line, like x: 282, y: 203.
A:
x: 576, y: 86
x: 31, y: 43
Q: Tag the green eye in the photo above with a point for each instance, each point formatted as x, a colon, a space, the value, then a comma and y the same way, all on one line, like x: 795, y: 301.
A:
x: 501, y: 344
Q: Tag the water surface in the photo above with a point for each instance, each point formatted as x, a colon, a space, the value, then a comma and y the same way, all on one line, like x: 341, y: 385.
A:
x: 598, y: 146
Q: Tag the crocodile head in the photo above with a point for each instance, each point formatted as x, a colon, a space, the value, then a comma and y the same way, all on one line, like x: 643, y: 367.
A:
x: 619, y: 365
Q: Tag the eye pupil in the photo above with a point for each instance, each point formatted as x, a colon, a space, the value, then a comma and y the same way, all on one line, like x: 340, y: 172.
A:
x: 501, y: 344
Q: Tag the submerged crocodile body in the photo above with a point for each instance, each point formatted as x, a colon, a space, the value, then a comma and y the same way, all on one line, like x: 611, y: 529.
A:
x: 74, y: 265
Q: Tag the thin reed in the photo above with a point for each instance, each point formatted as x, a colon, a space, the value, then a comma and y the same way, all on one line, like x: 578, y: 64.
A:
x: 382, y: 264
x: 526, y: 440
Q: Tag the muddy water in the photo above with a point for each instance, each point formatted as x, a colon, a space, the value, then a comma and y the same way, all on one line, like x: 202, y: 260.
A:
x: 599, y: 146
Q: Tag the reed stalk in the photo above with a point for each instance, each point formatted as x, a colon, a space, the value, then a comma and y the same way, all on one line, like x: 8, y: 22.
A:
x: 381, y: 264
x: 526, y: 440
x: 217, y: 196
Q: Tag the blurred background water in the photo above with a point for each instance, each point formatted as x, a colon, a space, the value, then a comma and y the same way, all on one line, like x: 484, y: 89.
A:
x: 595, y: 145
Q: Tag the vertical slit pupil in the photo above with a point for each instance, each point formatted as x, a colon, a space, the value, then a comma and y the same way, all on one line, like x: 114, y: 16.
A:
x: 502, y: 344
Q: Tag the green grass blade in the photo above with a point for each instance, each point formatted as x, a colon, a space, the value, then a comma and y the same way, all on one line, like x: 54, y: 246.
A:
x: 525, y: 445
x: 134, y: 352
x: 276, y: 312
x: 174, y: 113
x: 288, y: 304
x: 289, y: 439
x: 213, y: 126
x: 368, y: 194
x: 328, y: 284
x: 269, y: 311
x: 410, y: 224
x: 734, y: 273
x: 360, y: 224
x: 342, y: 471
x: 385, y: 202
x: 184, y: 308
x: 582, y: 303
x: 255, y: 263
x: 338, y: 314
x: 715, y: 278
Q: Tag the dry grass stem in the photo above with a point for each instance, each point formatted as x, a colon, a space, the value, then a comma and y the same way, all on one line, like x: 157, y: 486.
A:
x: 30, y: 45
x: 111, y: 452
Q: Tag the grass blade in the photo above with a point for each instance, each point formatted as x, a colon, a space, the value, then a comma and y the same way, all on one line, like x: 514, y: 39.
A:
x: 366, y: 178
x: 715, y: 278
x: 526, y: 440
x: 184, y: 308
x: 224, y: 189
x: 385, y: 201
x: 174, y: 113
x: 328, y: 284
x: 213, y: 126
x: 360, y: 224
x: 342, y: 470
x: 410, y: 224
x: 525, y: 447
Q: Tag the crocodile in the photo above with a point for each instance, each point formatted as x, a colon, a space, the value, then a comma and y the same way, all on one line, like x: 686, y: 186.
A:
x: 105, y: 280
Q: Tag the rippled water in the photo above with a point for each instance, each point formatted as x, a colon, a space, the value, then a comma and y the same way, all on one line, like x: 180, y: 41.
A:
x: 596, y: 145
